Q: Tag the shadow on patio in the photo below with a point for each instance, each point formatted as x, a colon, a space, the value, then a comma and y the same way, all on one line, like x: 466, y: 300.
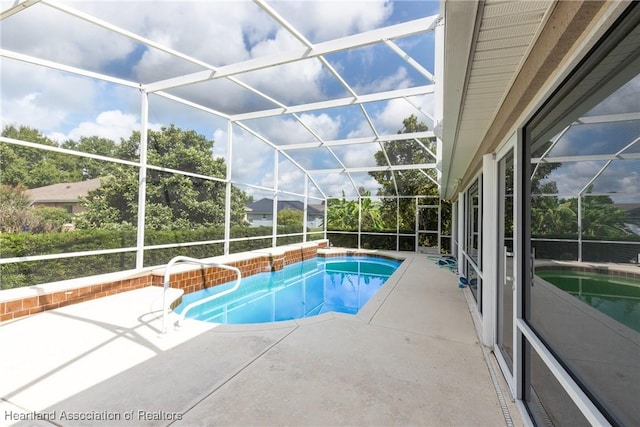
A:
x: 410, y: 357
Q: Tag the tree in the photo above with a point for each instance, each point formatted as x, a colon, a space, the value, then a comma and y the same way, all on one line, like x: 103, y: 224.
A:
x: 342, y: 214
x: 552, y: 217
x: 600, y: 218
x: 404, y: 152
x: 408, y: 182
x: 45, y: 219
x: 92, y: 168
x: 290, y: 217
x: 370, y: 213
x: 14, y: 206
x: 17, y: 215
x: 31, y: 167
x: 173, y: 201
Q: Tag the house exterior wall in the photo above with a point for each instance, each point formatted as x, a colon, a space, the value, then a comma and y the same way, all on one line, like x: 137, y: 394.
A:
x: 71, y: 207
x: 559, y: 370
x: 258, y: 219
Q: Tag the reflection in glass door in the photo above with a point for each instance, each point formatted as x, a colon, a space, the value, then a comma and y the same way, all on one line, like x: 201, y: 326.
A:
x: 506, y: 284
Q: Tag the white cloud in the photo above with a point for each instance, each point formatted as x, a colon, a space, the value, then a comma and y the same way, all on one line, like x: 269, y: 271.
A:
x: 28, y: 111
x: 335, y: 184
x: 630, y: 185
x: 367, y: 182
x: 112, y: 125
x: 290, y: 178
x: 361, y: 129
x: 47, y: 33
x: 389, y: 120
x: 325, y: 126
x: 303, y: 77
x: 220, y: 147
x: 398, y: 80
x: 360, y: 155
x: 325, y: 20
x: 288, y: 130
x: 42, y: 98
x: 624, y: 100
x: 62, y: 105
x: 291, y: 83
x: 621, y: 179
x: 252, y: 158
x: 236, y: 31
x: 571, y: 177
x: 220, y: 33
x: 213, y: 34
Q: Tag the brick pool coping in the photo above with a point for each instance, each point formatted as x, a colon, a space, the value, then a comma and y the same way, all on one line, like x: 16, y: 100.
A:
x: 20, y: 302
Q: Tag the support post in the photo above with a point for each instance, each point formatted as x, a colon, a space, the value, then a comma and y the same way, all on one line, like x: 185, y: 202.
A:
x: 490, y: 228
x: 274, y: 235
x: 305, y: 209
x: 227, y: 195
x: 462, y: 239
x: 142, y: 178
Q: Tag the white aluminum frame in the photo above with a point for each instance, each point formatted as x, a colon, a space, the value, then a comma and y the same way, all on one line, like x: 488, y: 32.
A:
x: 382, y: 36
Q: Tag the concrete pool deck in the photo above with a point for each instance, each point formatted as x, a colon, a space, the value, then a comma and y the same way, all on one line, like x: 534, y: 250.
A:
x: 410, y: 357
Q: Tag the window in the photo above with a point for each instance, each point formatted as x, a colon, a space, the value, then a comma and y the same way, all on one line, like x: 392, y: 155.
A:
x: 582, y: 297
x: 473, y: 221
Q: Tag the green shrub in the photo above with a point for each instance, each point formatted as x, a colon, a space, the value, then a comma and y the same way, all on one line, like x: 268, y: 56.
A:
x: 16, y: 275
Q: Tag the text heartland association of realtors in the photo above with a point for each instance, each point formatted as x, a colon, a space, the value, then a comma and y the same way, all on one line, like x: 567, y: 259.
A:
x: 137, y: 415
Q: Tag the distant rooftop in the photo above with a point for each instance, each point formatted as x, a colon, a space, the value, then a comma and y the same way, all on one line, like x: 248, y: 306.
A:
x: 65, y: 192
x: 266, y: 206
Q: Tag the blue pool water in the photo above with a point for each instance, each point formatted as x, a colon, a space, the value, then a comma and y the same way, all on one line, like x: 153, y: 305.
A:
x: 308, y: 288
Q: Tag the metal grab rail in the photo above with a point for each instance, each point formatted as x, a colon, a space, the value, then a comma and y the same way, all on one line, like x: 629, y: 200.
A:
x: 167, y: 274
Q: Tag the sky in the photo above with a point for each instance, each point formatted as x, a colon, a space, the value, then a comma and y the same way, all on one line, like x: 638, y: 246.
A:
x: 67, y: 106
x: 621, y: 178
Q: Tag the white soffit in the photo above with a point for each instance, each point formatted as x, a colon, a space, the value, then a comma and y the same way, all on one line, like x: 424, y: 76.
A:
x: 502, y: 38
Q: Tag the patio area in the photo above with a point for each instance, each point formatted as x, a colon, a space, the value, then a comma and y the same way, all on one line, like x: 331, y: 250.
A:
x: 410, y: 357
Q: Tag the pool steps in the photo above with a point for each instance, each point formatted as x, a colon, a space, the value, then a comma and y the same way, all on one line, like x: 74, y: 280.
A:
x: 188, y: 260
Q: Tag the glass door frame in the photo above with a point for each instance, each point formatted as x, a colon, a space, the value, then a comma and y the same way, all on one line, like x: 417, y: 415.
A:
x: 511, y: 371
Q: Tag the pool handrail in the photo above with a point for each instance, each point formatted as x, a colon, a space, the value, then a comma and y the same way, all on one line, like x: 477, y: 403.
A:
x: 167, y: 275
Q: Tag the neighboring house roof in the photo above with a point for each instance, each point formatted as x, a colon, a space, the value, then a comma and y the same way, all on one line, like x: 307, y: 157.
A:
x: 319, y: 208
x: 65, y: 192
x: 628, y: 207
x: 265, y: 206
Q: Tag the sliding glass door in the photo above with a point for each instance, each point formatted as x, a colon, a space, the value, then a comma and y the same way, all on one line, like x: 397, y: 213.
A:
x: 580, y: 278
x: 506, y: 284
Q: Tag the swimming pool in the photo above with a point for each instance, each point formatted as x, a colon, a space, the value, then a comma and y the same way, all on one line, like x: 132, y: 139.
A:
x: 617, y: 297
x: 303, y: 289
